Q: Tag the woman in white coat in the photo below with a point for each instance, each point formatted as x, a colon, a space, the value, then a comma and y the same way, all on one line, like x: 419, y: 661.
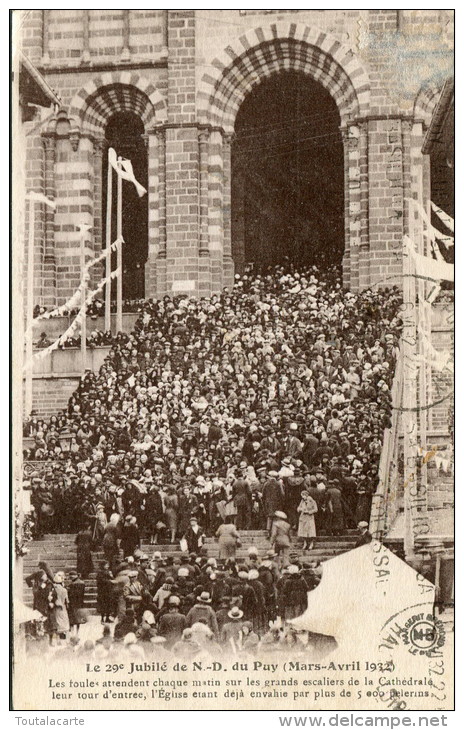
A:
x: 306, y: 525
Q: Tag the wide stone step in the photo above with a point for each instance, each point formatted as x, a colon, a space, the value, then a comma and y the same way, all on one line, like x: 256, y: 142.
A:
x: 59, y: 551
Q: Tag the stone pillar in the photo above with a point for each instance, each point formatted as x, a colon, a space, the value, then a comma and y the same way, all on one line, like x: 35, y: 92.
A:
x: 228, y: 263
x: 182, y: 168
x: 204, y: 271
x: 238, y: 218
x: 74, y: 170
x: 49, y: 260
x: 155, y: 268
x: 385, y: 155
x: 85, y: 58
x: 100, y: 147
x: 125, y: 53
x: 45, y: 37
x: 353, y: 211
x: 363, y: 162
x: 215, y: 208
x: 203, y: 143
x: 164, y: 32
x: 348, y: 256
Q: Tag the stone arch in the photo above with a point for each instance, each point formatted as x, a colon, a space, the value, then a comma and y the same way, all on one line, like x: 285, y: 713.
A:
x: 118, y: 91
x: 426, y: 101
x: 267, y: 50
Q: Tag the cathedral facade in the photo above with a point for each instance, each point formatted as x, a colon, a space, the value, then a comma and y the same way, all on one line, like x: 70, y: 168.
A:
x: 169, y: 89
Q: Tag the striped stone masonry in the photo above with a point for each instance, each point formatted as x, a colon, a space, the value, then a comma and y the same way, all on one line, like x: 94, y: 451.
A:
x: 186, y: 84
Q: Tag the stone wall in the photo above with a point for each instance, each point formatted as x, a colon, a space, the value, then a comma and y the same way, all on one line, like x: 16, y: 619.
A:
x: 185, y: 73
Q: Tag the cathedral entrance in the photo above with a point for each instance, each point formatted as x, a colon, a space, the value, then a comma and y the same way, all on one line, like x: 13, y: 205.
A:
x: 287, y: 175
x: 124, y: 132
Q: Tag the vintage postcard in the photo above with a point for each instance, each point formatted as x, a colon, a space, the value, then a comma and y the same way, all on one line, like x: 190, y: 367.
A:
x: 233, y: 335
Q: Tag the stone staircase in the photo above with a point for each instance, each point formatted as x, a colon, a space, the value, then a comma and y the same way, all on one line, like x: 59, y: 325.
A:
x: 59, y: 551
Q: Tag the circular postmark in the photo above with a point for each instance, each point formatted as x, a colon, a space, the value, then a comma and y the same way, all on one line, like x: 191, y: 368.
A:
x: 416, y: 630
x: 424, y: 634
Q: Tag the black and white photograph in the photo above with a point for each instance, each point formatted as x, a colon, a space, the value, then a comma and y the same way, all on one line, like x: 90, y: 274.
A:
x: 233, y: 359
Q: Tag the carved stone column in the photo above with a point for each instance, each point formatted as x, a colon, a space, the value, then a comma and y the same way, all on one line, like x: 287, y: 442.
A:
x: 85, y: 58
x: 100, y: 146
x: 125, y: 54
x: 228, y: 263
x: 45, y: 37
x: 155, y: 267
x: 161, y: 143
x: 203, y: 143
x: 49, y: 259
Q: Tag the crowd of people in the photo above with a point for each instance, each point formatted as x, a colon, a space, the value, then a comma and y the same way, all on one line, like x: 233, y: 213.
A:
x: 96, y: 338
x: 95, y: 308
x: 262, y: 407
x: 269, y: 397
x: 158, y: 607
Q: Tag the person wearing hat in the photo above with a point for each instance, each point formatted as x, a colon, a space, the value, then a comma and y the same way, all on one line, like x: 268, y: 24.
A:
x: 127, y: 624
x: 84, y: 544
x: 252, y: 562
x: 59, y: 603
x: 222, y: 612
x: 232, y: 634
x: 130, y: 536
x: 133, y: 592
x: 188, y: 507
x: 259, y: 613
x: 228, y: 539
x: 203, y: 612
x: 172, y: 623
x: 248, y: 597
x: 272, y: 497
x: 241, y: 495
x: 76, y: 596
x: 293, y: 598
x: 110, y: 540
x: 280, y: 537
x: 306, y: 524
x: 336, y: 521
x: 187, y: 647
x: 194, y: 536
x: 365, y: 536
x: 106, y: 602
x: 171, y: 507
x: 154, y: 513
x: 147, y: 628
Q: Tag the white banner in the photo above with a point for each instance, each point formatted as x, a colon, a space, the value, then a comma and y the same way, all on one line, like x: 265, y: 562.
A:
x: 124, y: 169
x: 427, y: 267
x: 76, y: 297
x: 444, y: 217
x: 40, y: 354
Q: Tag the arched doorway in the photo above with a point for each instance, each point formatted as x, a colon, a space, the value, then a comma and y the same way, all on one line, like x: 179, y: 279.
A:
x: 124, y: 132
x: 287, y: 175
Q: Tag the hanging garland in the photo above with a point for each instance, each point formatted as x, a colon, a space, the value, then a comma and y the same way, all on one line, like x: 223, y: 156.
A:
x: 23, y: 533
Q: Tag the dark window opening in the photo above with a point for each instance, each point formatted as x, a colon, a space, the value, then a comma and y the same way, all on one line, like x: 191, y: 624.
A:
x: 288, y: 175
x: 124, y: 132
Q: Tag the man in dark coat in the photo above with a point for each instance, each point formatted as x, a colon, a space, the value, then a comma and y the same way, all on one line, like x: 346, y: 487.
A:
x: 310, y: 446
x: 84, y: 543
x: 76, y: 595
x: 195, y: 536
x: 293, y: 599
x: 130, y: 536
x: 272, y: 498
x: 241, y: 494
x: 365, y: 536
x: 188, y: 506
x: 172, y: 623
x: 293, y: 489
x: 245, y: 590
x: 335, y: 522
